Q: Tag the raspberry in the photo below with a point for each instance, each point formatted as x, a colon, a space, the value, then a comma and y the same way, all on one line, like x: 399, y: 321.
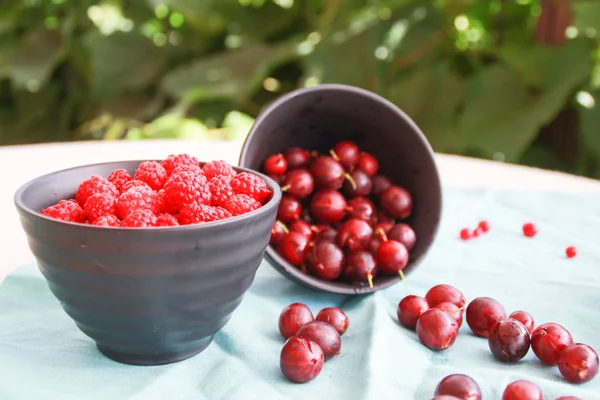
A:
x: 93, y: 185
x: 251, y: 185
x: 134, y: 183
x: 185, y: 188
x: 119, y: 177
x: 166, y: 220
x: 222, y: 213
x: 218, y: 168
x: 185, y: 167
x: 139, y: 219
x: 134, y: 200
x: 220, y: 189
x: 99, y: 204
x: 175, y: 160
x: 195, y: 213
x: 241, y: 204
x: 65, y: 210
x: 107, y: 220
x: 152, y: 173
x: 160, y: 202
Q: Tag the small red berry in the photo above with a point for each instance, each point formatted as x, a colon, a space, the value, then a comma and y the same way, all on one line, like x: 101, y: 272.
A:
x: 65, y: 210
x: 525, y: 318
x: 166, y: 220
x: 250, y: 185
x: 380, y: 184
x: 217, y: 168
x: 296, y: 158
x: 522, y: 390
x: 465, y: 234
x: 220, y: 189
x: 107, y: 220
x: 410, y: 309
x: 323, y: 334
x: 476, y: 232
x: 239, y: 204
x: 174, y: 160
x: 328, y: 205
x: 548, y: 341
x: 445, y: 294
x: 196, y: 213
x: 396, y: 202
x: 437, y: 329
x: 509, y: 340
x: 404, y: 234
x: 186, y: 187
x: 119, y: 177
x: 325, y: 260
x: 278, y: 231
x: 355, y: 234
x: 367, y: 163
x: 152, y: 173
x: 293, y: 247
x: 460, y: 386
x: 484, y: 226
x: 346, y: 153
x: 571, y: 251
x: 482, y: 314
x: 301, y: 360
x: 136, y: 199
x: 391, y: 257
x: 302, y: 227
x: 289, y: 209
x: 98, y: 205
x: 294, y: 317
x: 276, y: 165
x: 139, y: 219
x: 578, y: 363
x: 453, y: 310
x: 298, y: 183
x: 360, y: 267
x: 529, y: 229
x: 334, y: 317
x: 93, y: 185
x: 132, y: 184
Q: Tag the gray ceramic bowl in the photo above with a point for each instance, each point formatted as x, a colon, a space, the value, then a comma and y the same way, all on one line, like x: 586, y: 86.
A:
x: 320, y: 116
x: 145, y: 296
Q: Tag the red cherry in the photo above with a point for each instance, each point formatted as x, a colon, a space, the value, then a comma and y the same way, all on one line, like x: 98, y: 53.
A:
x: 324, y: 335
x: 410, y: 309
x: 459, y: 385
x: 277, y: 178
x: 360, y: 267
x: 360, y: 185
x: 445, y: 397
x: 296, y: 157
x: 396, y: 202
x: 568, y: 398
x: 355, y: 234
x: 522, y: 390
x: 302, y: 227
x: 476, y: 233
x: 524, y: 318
x: 483, y: 226
x: 482, y: 315
x: 362, y: 208
x: 571, y: 251
x: 578, y: 363
x: 367, y: 163
x: 404, y: 234
x: 301, y: 360
x: 382, y: 228
x: 328, y: 173
x: 326, y: 234
x: 436, y: 329
x: 391, y: 257
x: 334, y: 317
x: 509, y: 340
x: 276, y: 165
x: 278, y: 231
x: 328, y: 205
x: 289, y: 209
x: 453, y: 310
x: 445, y: 294
x: 380, y: 183
x: 292, y: 318
x: 529, y: 229
x: 465, y: 234
x: 346, y: 153
x: 325, y: 260
x: 293, y: 247
x: 548, y: 340
x: 298, y: 183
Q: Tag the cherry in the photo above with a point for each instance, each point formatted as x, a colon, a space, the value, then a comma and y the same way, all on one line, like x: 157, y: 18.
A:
x: 571, y: 251
x: 367, y: 163
x: 410, y: 309
x: 294, y: 317
x: 568, y: 398
x: 392, y: 257
x: 436, y: 329
x: 445, y: 294
x: 380, y: 184
x: 299, y: 183
x: 325, y: 260
x: 509, y: 340
x: 302, y: 227
x: 482, y: 314
x: 360, y: 267
x: 346, y: 153
x: 452, y: 309
x: 334, y: 317
x: 328, y: 205
x: 465, y: 234
x: 374, y: 244
x: 396, y: 202
x: 277, y: 178
x: 355, y: 234
x: 385, y: 218
x: 529, y: 229
x: 301, y: 360
x: 362, y: 184
x: 289, y: 209
x: 483, y: 226
x: 328, y: 173
x: 460, y: 386
x: 278, y: 231
x: 548, y: 340
x: 362, y: 208
x: 525, y: 318
x: 296, y: 157
x: 522, y: 390
x: 382, y: 228
x: 323, y: 334
x: 326, y: 234
x: 578, y: 363
x: 404, y: 234
x: 445, y: 397
x: 293, y: 247
x: 276, y: 165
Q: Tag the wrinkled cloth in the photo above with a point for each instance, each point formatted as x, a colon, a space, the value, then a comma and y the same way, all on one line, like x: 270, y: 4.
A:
x: 44, y: 356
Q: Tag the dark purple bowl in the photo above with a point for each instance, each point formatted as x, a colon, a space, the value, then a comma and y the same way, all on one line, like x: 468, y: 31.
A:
x: 320, y: 116
x: 146, y: 296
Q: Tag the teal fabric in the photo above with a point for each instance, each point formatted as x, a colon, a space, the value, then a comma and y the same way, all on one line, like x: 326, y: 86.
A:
x: 44, y: 356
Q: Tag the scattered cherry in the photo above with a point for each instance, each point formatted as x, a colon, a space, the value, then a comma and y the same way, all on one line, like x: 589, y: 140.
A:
x: 436, y: 329
x: 362, y: 184
x: 452, y: 309
x: 396, y: 202
x: 568, y: 398
x: 525, y: 318
x: 391, y: 257
x: 328, y: 205
x: 289, y: 209
x: 460, y: 386
x: 298, y: 183
x: 445, y: 397
x: 484, y: 226
x: 362, y: 208
x: 346, y: 153
x: 380, y: 184
x: 548, y: 340
x: 293, y: 247
x: 578, y: 363
x: 301, y: 359
x: 325, y: 260
x: 404, y: 234
x: 360, y: 267
x: 355, y: 234
x: 328, y: 173
x: 482, y: 314
x: 326, y: 234
x: 465, y: 234
x: 367, y: 163
x: 334, y: 317
x: 323, y: 334
x: 278, y: 231
x: 522, y: 390
x: 571, y: 251
x: 294, y: 317
x: 410, y: 309
x: 509, y: 340
x: 296, y: 157
x: 529, y: 229
x: 445, y: 294
x: 276, y: 165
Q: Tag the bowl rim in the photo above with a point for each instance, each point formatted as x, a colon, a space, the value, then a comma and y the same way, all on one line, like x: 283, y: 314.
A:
x: 295, y: 273
x: 265, y: 209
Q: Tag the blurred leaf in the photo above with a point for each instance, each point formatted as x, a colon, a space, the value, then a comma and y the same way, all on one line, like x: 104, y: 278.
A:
x: 133, y: 106
x: 587, y: 15
x: 7, y: 49
x: 264, y: 21
x: 237, y: 125
x: 590, y: 126
x: 10, y: 15
x: 542, y: 157
x: 209, y: 16
x: 171, y: 126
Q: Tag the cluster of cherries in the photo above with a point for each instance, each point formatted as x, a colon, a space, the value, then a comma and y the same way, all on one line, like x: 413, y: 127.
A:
x: 336, y: 220
x: 310, y: 341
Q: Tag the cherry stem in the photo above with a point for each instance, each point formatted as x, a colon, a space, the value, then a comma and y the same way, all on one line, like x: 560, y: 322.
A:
x: 403, y: 278
x: 351, y: 179
x: 282, y: 225
x: 370, y: 280
x: 285, y: 188
x: 381, y: 233
x: 335, y: 156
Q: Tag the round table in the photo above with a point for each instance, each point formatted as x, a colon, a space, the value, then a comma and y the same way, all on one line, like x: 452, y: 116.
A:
x: 22, y: 163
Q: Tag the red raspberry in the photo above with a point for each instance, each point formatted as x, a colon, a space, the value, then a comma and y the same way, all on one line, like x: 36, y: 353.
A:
x: 136, y: 199
x: 175, y: 160
x: 65, y: 210
x: 160, y: 202
x: 107, y: 220
x: 196, y: 213
x: 185, y: 188
x: 134, y: 183
x: 93, y: 185
x: 99, y: 204
x: 184, y: 167
x: 166, y: 220
x: 220, y: 189
x: 241, y: 204
x: 139, y: 219
x: 152, y: 173
x: 218, y: 168
x: 119, y: 177
x: 251, y: 185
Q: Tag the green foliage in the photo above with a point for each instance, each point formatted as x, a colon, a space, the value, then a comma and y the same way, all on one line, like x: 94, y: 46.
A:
x: 469, y: 72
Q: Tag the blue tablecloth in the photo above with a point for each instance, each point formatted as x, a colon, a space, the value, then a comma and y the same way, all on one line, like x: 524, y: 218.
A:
x: 44, y: 356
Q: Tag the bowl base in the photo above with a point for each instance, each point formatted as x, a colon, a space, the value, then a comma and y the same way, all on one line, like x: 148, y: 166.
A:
x: 152, y: 359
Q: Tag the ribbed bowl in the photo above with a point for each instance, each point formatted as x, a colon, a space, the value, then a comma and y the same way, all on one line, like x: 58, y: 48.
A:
x: 145, y: 296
